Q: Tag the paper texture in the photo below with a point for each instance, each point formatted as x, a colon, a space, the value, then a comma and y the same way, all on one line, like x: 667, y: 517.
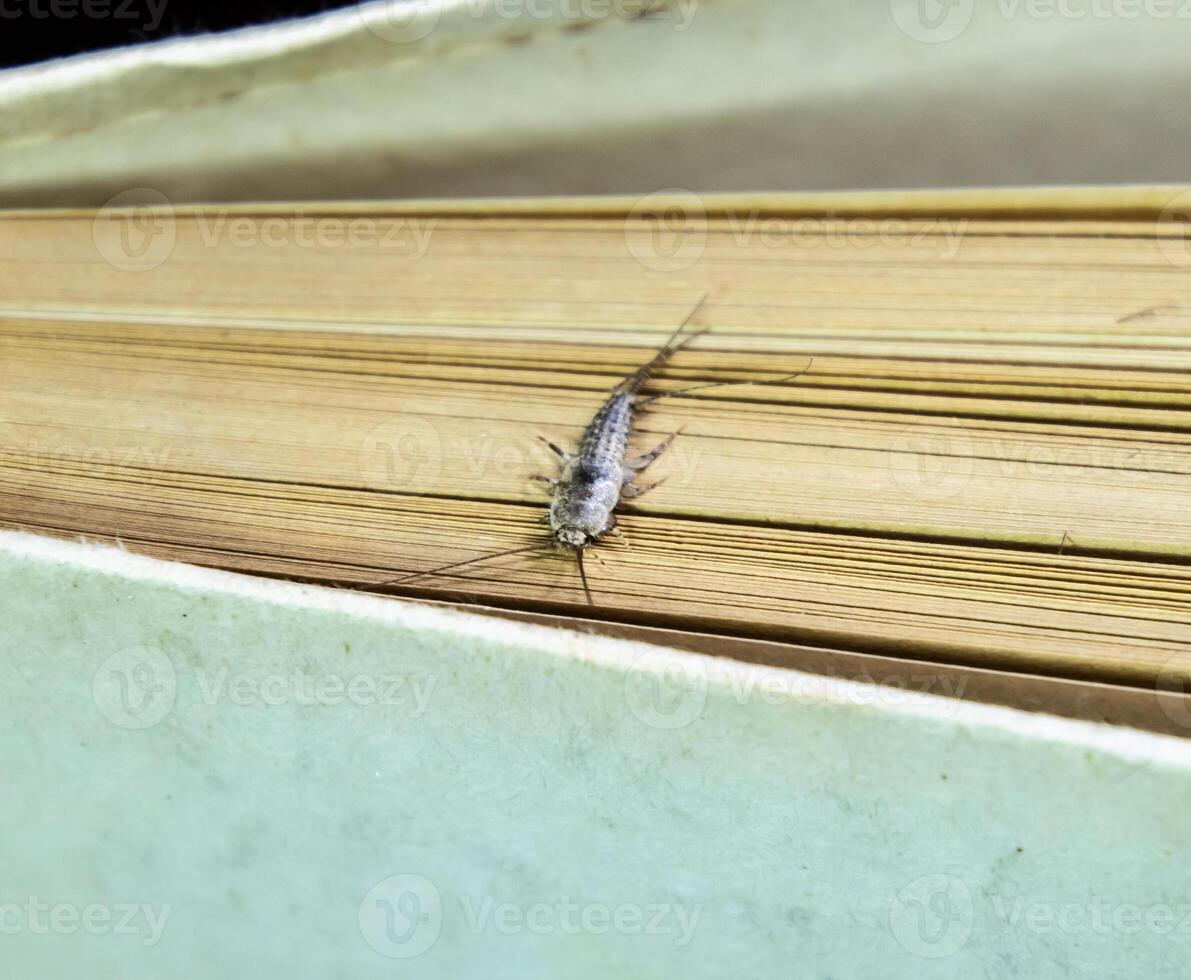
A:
x: 252, y: 778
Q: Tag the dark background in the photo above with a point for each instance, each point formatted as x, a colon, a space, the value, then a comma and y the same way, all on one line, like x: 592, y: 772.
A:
x: 38, y: 30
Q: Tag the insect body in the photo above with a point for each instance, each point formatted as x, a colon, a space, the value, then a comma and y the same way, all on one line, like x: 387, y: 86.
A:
x: 600, y: 475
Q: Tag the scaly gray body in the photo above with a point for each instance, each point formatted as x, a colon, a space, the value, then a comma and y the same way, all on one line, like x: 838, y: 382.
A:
x: 598, y: 477
x: 592, y: 481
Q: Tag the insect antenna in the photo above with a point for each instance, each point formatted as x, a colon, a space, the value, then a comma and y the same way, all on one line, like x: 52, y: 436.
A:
x: 583, y: 576
x: 460, y: 564
x: 725, y: 384
x: 695, y: 311
x: 668, y: 349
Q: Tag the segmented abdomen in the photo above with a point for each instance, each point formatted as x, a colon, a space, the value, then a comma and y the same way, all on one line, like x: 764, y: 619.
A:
x: 591, y: 482
x: 607, y: 435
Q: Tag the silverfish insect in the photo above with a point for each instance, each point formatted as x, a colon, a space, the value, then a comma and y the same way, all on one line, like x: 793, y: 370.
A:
x: 597, y: 478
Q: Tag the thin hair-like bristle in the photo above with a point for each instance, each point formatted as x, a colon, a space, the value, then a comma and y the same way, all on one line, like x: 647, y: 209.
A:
x: 460, y: 564
x: 729, y: 384
x: 635, y: 380
x: 583, y: 576
x: 698, y: 308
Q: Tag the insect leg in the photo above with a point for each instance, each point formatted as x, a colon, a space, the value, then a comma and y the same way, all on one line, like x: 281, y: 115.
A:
x: 560, y: 453
x: 628, y: 491
x: 639, y: 463
x: 583, y: 577
x: 616, y: 533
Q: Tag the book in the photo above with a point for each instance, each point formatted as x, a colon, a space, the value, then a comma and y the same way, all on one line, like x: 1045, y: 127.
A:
x: 981, y: 465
